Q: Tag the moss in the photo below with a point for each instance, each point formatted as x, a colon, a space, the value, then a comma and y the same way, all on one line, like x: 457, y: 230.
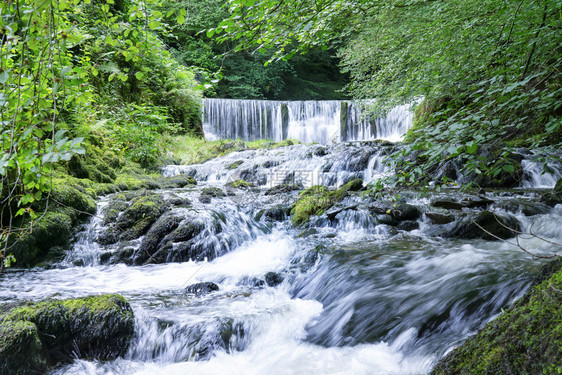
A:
x: 51, y: 229
x: 239, y: 184
x: 212, y: 192
x: 235, y: 165
x: 20, y: 348
x: 315, y: 201
x: 179, y: 181
x: 97, y: 326
x: 526, y: 339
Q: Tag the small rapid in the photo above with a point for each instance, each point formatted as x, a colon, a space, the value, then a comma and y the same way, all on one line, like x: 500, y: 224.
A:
x: 354, y: 294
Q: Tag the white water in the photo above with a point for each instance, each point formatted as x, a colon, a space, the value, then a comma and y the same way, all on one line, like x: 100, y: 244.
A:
x: 374, y: 301
x: 307, y: 121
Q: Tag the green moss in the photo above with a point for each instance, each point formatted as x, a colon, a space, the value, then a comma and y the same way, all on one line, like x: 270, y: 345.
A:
x: 213, y: 192
x: 315, y: 201
x: 97, y: 326
x: 239, y: 184
x: 179, y: 181
x: 235, y: 165
x: 526, y: 339
x: 20, y: 348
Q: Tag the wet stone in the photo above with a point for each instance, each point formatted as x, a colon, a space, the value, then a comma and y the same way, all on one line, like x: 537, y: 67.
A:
x: 202, y: 288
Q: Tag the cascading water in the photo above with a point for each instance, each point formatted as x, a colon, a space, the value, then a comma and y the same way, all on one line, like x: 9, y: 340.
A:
x: 357, y: 296
x: 324, y: 122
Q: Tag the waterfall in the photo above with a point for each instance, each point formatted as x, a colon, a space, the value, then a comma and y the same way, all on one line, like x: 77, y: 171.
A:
x: 327, y: 121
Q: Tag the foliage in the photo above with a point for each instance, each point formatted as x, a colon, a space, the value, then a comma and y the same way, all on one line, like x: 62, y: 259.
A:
x: 490, y: 72
x: 238, y: 74
x: 67, y: 69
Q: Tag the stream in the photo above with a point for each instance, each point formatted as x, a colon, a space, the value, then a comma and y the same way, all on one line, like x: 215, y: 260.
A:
x: 356, y: 296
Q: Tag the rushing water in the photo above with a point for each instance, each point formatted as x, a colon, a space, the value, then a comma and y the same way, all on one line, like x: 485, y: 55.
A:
x: 357, y: 297
x: 324, y: 122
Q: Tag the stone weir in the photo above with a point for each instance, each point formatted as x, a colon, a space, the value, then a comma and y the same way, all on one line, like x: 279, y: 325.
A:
x: 324, y: 122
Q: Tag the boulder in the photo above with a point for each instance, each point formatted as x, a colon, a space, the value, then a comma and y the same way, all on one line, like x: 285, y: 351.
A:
x: 202, y: 288
x: 213, y: 192
x: 48, y: 332
x: 179, y: 181
x: 140, y: 214
x: 439, y: 218
x: 273, y: 278
x: 527, y: 208
x: 20, y: 349
x: 283, y: 188
x: 486, y: 225
x: 525, y: 339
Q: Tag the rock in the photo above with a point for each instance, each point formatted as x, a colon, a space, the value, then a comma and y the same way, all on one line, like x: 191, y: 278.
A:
x: 448, y: 170
x: 283, y: 188
x: 273, y: 214
x: 20, y: 349
x: 307, y: 233
x: 98, y: 327
x: 439, y: 218
x: 525, y: 339
x: 206, y: 199
x: 202, y: 288
x: 386, y: 220
x: 179, y: 181
x: 408, y: 225
x: 527, y: 208
x: 470, y: 227
x: 153, y: 238
x: 235, y: 164
x: 333, y: 212
x: 179, y: 202
x: 213, y: 192
x: 353, y: 185
x: 404, y: 211
x: 558, y: 187
x: 447, y: 204
x: 320, y: 151
x: 141, y: 213
x: 476, y: 202
x: 273, y: 278
x: 239, y: 184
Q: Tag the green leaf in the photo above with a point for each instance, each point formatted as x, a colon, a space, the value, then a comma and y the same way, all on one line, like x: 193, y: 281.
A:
x: 181, y: 19
x: 139, y: 76
x: 509, y: 168
x: 4, y: 76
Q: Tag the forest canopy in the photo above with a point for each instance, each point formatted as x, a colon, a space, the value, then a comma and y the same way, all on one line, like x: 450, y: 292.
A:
x: 489, y: 72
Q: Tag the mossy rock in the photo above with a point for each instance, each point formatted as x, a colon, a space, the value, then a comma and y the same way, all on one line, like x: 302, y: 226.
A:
x: 79, y: 203
x: 239, y: 184
x: 179, y: 181
x: 213, y: 192
x: 282, y: 188
x: 20, y: 349
x: 57, y: 330
x: 315, y: 201
x: 526, y: 339
x: 51, y: 229
x: 235, y: 164
x: 142, y: 212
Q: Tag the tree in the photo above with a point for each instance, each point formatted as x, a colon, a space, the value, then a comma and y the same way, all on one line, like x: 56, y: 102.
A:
x: 490, y: 71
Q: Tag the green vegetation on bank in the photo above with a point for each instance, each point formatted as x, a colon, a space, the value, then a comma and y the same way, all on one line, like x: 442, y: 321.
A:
x: 34, y: 336
x: 525, y: 339
x: 87, y: 89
